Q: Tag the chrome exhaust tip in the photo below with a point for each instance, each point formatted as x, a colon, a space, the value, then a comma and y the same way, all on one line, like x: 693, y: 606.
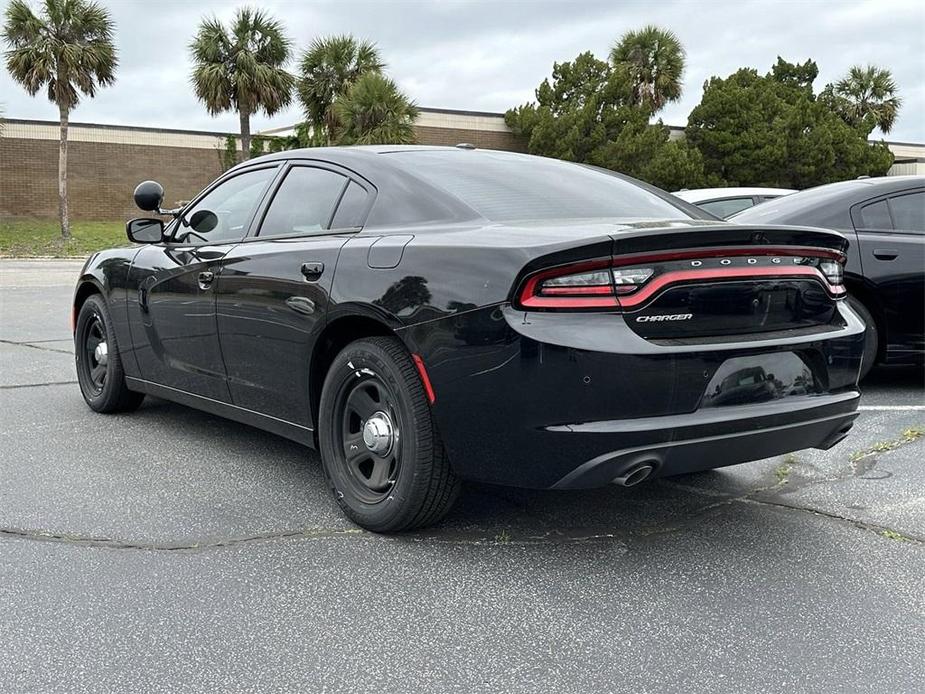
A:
x: 635, y: 474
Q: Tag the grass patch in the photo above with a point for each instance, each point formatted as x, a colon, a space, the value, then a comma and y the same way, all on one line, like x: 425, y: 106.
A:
x: 783, y: 470
x: 908, y: 436
x: 893, y: 535
x: 28, y: 238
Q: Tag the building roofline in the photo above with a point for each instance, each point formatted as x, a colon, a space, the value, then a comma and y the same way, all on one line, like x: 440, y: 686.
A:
x: 460, y: 112
x: 900, y: 144
x: 176, y: 131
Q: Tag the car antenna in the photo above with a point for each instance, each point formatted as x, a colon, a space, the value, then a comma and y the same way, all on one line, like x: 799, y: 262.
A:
x: 465, y: 145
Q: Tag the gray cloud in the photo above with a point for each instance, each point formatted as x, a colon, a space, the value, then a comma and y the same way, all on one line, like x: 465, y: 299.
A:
x: 491, y: 55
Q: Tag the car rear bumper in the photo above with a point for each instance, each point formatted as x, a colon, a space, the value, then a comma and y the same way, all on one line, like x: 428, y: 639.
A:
x: 576, y: 400
x: 682, y: 444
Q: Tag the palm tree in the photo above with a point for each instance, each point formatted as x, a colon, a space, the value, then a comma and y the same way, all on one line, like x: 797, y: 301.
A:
x: 241, y: 68
x: 67, y: 49
x: 374, y: 112
x: 867, y: 95
x: 329, y: 67
x: 652, y: 61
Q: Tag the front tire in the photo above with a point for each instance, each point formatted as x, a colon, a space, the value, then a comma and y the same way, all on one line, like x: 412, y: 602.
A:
x: 381, y: 453
x: 99, y: 365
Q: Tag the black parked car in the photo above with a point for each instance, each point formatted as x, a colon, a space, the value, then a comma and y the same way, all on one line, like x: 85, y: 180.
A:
x: 884, y: 218
x: 426, y: 315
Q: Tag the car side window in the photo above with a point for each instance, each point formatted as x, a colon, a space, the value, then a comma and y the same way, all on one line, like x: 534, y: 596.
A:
x: 351, y: 209
x: 225, y: 212
x: 909, y: 212
x: 303, y: 203
x: 727, y: 207
x: 876, y: 217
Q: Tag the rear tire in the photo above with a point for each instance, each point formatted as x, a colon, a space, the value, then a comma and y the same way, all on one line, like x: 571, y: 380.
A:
x: 99, y: 364
x: 871, y: 336
x: 381, y: 453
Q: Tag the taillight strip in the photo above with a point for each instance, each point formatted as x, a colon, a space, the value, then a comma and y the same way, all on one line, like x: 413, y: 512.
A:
x: 569, y: 302
x: 674, y: 277
x: 609, y: 296
x: 584, y: 291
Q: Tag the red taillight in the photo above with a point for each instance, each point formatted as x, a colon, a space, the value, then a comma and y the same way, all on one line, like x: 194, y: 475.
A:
x: 582, y: 285
x: 629, y: 281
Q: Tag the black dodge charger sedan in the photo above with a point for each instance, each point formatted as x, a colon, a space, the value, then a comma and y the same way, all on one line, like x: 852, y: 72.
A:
x: 884, y: 218
x: 428, y: 315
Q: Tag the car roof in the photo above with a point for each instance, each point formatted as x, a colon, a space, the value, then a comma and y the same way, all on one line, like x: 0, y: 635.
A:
x: 827, y: 205
x: 395, y: 176
x: 706, y: 194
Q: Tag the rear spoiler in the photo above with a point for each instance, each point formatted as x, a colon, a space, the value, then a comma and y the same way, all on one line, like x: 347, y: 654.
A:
x: 724, y: 235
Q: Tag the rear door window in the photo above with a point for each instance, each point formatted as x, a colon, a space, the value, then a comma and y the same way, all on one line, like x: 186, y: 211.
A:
x: 876, y: 217
x: 909, y: 212
x: 303, y: 203
x: 351, y: 211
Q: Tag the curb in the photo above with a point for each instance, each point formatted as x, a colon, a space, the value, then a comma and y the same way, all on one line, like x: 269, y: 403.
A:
x: 44, y: 257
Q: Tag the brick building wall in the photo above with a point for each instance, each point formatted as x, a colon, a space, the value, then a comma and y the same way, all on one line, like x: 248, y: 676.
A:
x: 104, y: 165
x: 101, y: 176
x: 106, y: 162
x: 436, y: 126
x: 425, y: 135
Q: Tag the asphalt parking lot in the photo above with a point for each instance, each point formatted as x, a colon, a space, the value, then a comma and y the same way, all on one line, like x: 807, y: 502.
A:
x: 170, y: 550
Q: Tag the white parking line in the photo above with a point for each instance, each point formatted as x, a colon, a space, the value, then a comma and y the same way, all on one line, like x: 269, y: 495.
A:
x: 902, y: 408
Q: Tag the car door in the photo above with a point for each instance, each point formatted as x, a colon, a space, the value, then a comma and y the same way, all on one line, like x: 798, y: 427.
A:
x: 273, y: 294
x: 891, y: 238
x: 172, y: 318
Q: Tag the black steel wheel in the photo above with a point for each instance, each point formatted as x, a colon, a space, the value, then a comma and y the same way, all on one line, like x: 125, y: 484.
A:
x: 380, y: 450
x: 370, y: 434
x: 96, y: 354
x: 99, y: 366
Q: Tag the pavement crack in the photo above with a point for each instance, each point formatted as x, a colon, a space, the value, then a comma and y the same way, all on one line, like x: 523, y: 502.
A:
x: 37, y: 385
x: 448, y: 536
x: 863, y: 525
x: 191, y: 545
x: 35, y: 346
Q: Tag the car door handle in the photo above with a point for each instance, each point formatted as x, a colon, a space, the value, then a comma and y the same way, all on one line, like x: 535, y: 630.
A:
x: 312, y: 271
x: 205, y: 279
x: 885, y: 253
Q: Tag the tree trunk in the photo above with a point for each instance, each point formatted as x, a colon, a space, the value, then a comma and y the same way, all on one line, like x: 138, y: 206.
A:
x: 62, y: 175
x: 245, y: 135
x: 330, y: 125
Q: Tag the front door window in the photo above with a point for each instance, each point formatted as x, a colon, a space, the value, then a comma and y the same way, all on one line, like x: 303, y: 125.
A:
x: 224, y: 213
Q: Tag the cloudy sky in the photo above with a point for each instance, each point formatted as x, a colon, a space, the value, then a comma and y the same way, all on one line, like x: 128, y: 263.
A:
x: 491, y: 55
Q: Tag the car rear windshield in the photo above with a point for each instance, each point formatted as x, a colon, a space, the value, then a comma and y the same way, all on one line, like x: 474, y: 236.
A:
x: 505, y: 187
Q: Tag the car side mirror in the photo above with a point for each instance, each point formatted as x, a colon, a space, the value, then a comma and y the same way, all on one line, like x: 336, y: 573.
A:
x: 145, y: 230
x: 149, y: 195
